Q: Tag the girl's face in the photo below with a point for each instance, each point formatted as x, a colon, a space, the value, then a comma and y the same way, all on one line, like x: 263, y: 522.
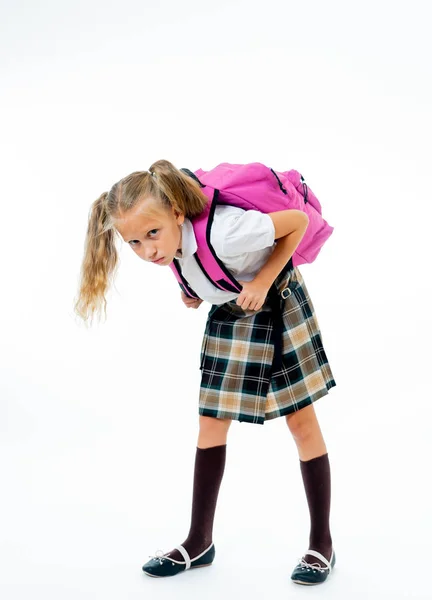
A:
x: 153, y: 232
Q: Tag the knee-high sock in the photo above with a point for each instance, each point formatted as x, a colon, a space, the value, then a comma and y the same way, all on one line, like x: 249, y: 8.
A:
x: 208, y: 473
x: 317, y: 484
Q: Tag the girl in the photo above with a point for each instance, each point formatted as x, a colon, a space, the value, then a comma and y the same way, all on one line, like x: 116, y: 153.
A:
x: 241, y: 378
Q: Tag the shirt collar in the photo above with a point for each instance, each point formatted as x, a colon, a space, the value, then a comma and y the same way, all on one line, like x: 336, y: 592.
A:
x: 188, y: 242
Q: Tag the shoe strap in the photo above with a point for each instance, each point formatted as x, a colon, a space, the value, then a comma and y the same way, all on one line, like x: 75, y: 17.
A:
x: 185, y: 555
x: 321, y: 557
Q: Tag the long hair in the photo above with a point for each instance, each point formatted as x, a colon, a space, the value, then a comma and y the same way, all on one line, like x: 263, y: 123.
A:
x: 168, y: 185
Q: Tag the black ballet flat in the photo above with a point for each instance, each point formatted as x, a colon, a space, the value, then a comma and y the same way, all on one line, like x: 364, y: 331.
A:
x: 161, y: 565
x: 311, y: 574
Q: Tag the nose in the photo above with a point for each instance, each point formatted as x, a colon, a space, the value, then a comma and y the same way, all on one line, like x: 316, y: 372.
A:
x: 150, y: 255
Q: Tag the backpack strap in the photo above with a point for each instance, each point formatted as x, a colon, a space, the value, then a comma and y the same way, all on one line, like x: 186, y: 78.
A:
x: 182, y: 281
x: 207, y: 259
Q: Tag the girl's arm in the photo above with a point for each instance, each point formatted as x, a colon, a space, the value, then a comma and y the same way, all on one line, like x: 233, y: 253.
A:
x: 290, y: 227
x: 287, y: 221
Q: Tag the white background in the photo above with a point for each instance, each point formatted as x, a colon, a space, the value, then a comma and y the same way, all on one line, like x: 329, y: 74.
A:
x: 99, y: 426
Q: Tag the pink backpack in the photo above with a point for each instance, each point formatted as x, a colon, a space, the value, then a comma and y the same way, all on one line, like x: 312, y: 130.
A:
x: 251, y: 186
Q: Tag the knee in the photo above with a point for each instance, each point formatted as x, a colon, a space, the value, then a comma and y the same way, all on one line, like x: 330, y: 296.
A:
x: 302, y: 423
x: 208, y: 425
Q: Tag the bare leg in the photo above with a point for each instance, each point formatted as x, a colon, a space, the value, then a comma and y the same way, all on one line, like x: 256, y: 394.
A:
x: 306, y: 433
x: 212, y: 432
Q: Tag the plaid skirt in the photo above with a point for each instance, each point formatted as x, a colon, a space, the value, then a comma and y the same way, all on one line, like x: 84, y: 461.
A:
x: 240, y: 378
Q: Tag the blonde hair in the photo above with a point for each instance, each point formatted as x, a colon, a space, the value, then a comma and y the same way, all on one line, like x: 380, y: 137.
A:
x: 168, y: 186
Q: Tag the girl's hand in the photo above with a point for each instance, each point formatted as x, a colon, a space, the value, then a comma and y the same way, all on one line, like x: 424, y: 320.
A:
x: 190, y: 302
x: 253, y: 295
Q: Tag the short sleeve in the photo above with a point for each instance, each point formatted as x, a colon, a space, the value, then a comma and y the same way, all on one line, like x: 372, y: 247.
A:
x: 245, y: 231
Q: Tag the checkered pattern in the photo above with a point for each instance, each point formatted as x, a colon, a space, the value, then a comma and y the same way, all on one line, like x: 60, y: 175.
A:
x: 237, y: 353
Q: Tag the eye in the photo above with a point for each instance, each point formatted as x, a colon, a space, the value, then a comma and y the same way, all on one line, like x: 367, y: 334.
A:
x: 132, y: 242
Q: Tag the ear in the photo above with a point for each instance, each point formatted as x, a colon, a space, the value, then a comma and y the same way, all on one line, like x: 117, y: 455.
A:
x: 178, y: 216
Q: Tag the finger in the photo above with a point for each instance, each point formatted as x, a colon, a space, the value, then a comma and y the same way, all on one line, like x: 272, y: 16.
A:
x: 258, y: 305
x: 245, y: 304
x: 242, y: 300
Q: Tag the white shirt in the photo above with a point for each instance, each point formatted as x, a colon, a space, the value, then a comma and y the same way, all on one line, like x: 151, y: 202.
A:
x: 242, y: 239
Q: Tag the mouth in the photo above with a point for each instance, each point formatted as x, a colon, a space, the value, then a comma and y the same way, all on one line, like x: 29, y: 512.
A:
x: 156, y: 262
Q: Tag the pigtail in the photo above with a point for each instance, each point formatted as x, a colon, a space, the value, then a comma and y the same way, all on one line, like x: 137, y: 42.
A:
x: 99, y: 262
x: 177, y: 189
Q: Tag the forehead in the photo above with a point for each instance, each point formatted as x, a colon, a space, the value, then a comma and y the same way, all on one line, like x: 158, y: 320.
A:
x: 140, y: 220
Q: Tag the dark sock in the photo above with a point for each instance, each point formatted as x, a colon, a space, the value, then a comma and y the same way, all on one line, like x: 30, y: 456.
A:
x: 317, y: 483
x: 209, y: 470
